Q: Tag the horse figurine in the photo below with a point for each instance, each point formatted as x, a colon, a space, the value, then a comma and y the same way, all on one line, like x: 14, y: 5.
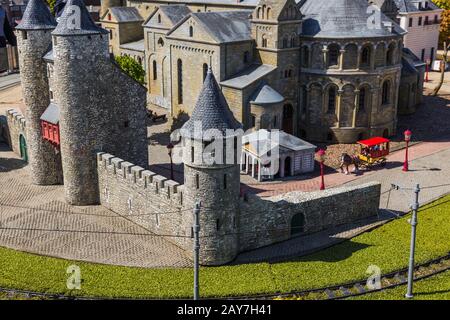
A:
x: 347, y: 160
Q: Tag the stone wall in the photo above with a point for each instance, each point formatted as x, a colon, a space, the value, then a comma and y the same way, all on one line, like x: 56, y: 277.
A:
x: 163, y: 207
x: 264, y: 221
x: 15, y: 126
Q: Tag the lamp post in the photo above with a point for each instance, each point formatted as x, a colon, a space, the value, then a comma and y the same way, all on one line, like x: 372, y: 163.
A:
x: 321, y: 158
x: 170, y: 148
x: 407, y: 134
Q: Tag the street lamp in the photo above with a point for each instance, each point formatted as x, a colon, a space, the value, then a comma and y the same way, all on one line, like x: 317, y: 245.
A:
x: 407, y: 134
x: 170, y: 148
x: 321, y: 158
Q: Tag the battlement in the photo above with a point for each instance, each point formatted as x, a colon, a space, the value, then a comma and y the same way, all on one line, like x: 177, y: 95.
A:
x: 15, y: 117
x: 140, y: 179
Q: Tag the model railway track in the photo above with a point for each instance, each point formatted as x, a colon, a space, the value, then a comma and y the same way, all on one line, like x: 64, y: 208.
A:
x: 356, y: 288
x: 350, y: 289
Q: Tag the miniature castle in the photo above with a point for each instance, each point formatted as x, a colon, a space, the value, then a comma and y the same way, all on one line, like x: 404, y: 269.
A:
x: 334, y: 77
x: 85, y: 127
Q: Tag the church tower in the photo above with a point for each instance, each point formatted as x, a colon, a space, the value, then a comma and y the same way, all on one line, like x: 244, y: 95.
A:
x: 34, y: 40
x: 276, y: 27
x: 211, y: 176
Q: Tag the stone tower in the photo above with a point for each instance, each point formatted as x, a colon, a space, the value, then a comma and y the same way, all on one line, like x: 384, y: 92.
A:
x: 34, y: 40
x: 101, y: 108
x: 215, y: 183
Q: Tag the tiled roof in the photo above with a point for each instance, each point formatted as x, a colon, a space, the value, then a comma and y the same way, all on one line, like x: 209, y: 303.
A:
x: 126, y: 14
x: 51, y: 114
x: 265, y: 94
x: 344, y: 19
x: 175, y: 13
x: 37, y: 16
x: 227, y: 26
x: 86, y: 25
x: 248, y: 76
x: 210, y: 112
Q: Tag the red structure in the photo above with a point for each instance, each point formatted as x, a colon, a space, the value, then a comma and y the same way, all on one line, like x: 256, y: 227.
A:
x: 321, y: 158
x: 50, y: 132
x: 50, y: 124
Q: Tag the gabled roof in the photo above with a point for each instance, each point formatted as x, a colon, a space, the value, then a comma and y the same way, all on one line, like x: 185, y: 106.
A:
x: 225, y: 26
x: 174, y: 13
x: 125, y: 14
x: 51, y: 114
x: 406, y: 6
x: 48, y: 56
x: 344, y: 19
x: 86, y: 27
x: 266, y: 95
x: 37, y: 16
x: 211, y: 112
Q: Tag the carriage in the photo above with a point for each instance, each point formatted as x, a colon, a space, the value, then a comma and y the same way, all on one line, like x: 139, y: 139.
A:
x: 373, y: 152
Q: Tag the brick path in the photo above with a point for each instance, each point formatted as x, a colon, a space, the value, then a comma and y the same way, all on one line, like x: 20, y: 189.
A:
x: 80, y: 233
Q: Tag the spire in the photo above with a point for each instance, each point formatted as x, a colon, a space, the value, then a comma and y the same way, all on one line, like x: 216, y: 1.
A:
x: 210, y: 112
x: 37, y: 16
x: 76, y: 20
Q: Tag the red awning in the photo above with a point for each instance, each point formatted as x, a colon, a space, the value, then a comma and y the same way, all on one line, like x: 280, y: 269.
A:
x: 373, y: 141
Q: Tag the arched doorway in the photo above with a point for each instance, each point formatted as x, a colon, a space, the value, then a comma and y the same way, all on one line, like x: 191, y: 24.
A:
x: 23, y: 148
x: 287, y: 167
x: 288, y: 118
x: 297, y: 224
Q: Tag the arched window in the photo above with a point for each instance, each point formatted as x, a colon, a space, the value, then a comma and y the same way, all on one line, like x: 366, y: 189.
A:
x: 139, y: 59
x: 269, y: 13
x: 305, y: 57
x: 258, y: 13
x: 293, y: 42
x: 365, y: 56
x: 263, y: 12
x: 159, y: 18
x: 264, y: 41
x: 161, y: 42
x: 385, y: 98
x: 180, y: 80
x: 390, y: 55
x: 362, y: 99
x: 155, y: 70
x: 205, y: 71
x: 285, y: 42
x: 246, y: 57
x: 333, y: 55
x: 191, y: 31
x: 331, y: 99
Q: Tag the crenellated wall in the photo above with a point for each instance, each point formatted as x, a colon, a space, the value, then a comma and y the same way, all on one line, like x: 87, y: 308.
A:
x: 142, y: 196
x: 156, y: 203
x: 15, y: 126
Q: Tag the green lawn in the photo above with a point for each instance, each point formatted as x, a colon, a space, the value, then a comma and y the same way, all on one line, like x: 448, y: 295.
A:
x: 386, y: 247
x: 433, y: 288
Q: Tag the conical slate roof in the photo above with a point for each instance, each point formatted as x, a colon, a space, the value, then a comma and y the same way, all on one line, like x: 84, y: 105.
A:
x: 37, y: 16
x: 71, y: 23
x: 210, y: 112
x: 265, y: 94
x: 344, y: 19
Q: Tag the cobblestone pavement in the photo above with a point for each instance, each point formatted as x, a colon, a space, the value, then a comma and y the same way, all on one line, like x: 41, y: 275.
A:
x: 36, y: 219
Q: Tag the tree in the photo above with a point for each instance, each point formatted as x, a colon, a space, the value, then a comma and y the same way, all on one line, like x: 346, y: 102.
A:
x: 444, y: 34
x: 443, y: 66
x: 51, y: 4
x: 132, y: 68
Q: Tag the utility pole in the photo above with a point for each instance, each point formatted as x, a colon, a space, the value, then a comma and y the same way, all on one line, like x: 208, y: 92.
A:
x: 196, y: 229
x: 415, y: 206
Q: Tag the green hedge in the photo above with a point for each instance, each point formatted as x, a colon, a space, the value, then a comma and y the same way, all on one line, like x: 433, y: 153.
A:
x: 386, y: 247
